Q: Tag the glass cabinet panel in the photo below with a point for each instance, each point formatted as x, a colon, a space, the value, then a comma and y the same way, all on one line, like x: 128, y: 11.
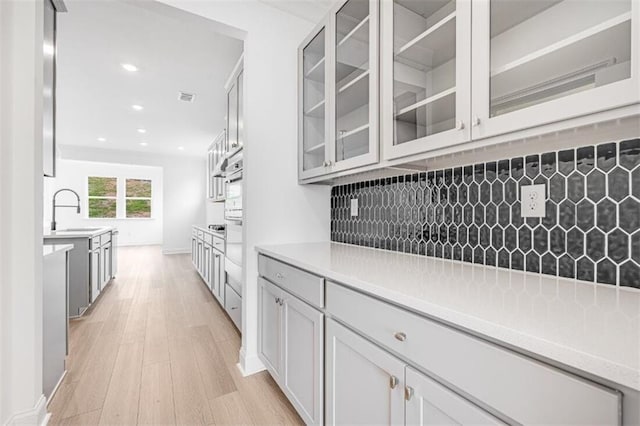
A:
x: 548, y: 49
x: 424, y: 68
x: 313, y: 92
x: 352, y: 74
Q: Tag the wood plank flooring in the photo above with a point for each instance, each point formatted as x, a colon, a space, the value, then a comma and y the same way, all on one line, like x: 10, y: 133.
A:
x: 157, y: 349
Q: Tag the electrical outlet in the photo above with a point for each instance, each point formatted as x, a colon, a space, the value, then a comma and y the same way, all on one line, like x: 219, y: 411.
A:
x: 533, y: 199
x: 354, y: 207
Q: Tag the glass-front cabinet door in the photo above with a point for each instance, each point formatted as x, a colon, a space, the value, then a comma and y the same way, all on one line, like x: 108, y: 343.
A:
x: 355, y: 84
x: 313, y: 108
x: 426, y: 63
x: 540, y: 61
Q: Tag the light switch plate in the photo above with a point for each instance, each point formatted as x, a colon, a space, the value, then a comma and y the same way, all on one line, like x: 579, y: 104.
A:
x: 354, y: 207
x: 533, y: 199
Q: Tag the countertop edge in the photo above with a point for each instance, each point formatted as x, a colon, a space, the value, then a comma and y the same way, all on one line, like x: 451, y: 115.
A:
x: 80, y: 234
x: 49, y: 249
x: 536, y: 347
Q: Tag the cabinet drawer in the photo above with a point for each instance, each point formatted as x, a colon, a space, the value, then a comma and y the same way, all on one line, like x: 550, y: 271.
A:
x: 95, y: 242
x: 218, y: 243
x: 233, y: 306
x: 105, y: 238
x: 200, y: 234
x: 194, y: 232
x: 208, y: 238
x: 512, y: 384
x: 298, y: 282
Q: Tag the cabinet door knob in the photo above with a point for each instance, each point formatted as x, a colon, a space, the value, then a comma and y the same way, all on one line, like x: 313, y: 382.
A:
x: 279, y: 275
x: 400, y: 336
x: 393, y: 382
x: 459, y: 125
x: 408, y: 392
x: 476, y: 121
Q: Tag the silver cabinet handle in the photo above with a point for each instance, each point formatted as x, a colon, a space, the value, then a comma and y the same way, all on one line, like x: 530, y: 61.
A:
x: 400, y: 336
x: 277, y: 300
x: 234, y: 308
x: 279, y: 275
x: 459, y: 125
x: 393, y: 382
x: 476, y: 121
x: 408, y: 392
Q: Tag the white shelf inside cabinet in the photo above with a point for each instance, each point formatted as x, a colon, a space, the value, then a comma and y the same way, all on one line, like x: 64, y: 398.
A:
x: 316, y: 149
x: 606, y: 43
x: 316, y: 72
x: 433, y: 47
x: 355, y: 131
x: 352, y: 81
x: 316, y: 111
x: 353, y: 95
x: 360, y: 33
x: 427, y: 101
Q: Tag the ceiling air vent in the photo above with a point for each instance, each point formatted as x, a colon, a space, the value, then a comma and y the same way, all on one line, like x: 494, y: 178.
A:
x: 186, y: 97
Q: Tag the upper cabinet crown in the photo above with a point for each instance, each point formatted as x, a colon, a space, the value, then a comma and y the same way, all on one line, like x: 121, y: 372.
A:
x: 457, y: 71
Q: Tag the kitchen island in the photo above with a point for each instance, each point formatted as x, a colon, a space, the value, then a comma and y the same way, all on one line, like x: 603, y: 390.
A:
x: 92, y: 263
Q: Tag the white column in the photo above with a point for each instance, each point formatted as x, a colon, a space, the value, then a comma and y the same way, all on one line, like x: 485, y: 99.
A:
x: 21, y: 100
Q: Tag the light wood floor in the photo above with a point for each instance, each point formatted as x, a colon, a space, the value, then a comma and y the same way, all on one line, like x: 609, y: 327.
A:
x: 157, y: 349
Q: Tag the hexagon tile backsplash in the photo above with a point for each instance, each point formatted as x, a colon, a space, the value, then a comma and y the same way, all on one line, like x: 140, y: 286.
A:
x: 591, y: 230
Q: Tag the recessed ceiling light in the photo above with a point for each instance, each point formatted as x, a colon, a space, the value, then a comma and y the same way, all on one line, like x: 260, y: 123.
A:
x: 142, y: 130
x: 102, y: 139
x: 143, y: 144
x: 129, y: 67
x: 181, y: 148
x: 137, y: 107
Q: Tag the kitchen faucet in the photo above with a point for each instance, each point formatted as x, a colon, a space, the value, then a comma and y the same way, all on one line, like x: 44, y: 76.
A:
x: 53, y: 203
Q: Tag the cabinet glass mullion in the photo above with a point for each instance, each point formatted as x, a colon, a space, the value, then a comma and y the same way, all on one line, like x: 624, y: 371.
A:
x: 314, y: 102
x: 424, y: 68
x: 352, y: 75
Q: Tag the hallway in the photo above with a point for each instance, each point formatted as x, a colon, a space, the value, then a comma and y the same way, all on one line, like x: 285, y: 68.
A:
x: 157, y: 349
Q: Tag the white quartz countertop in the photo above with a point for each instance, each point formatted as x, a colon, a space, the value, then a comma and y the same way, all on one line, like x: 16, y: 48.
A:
x: 49, y: 249
x: 78, y: 232
x: 219, y: 234
x: 591, y: 328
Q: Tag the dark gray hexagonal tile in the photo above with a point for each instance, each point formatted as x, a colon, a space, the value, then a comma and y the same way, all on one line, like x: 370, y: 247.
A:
x: 575, y: 187
x: 566, y: 267
x: 434, y: 232
x: 443, y: 233
x: 497, y: 237
x: 473, y: 235
x: 503, y: 258
x: 517, y: 168
x: 635, y: 183
x: 585, y: 270
x: 468, y: 214
x: 457, y: 214
x: 517, y: 260
x: 524, y: 239
x: 485, y: 192
x: 617, y: 246
x: 585, y: 215
x: 567, y: 214
x: 447, y: 251
x: 540, y: 240
x: 516, y: 216
x: 595, y: 244
x: 532, y: 166
x: 478, y: 214
x: 575, y: 243
x: 548, y: 163
x: 457, y: 252
x: 630, y: 275
x: 630, y: 215
x: 596, y: 186
x: 618, y: 183
x: 607, y: 154
x: 510, y: 191
x: 566, y: 161
x: 510, y: 238
x: 557, y: 239
x: 504, y: 214
x: 532, y: 262
x: 490, y: 257
x: 630, y: 153
x: 437, y: 252
x: 551, y: 214
x: 467, y: 254
x: 485, y: 236
x: 473, y: 192
x: 453, y: 234
x: 457, y: 175
x: 503, y: 170
x: 478, y: 172
x: 478, y: 255
x: 463, y: 196
x: 497, y: 192
x: 463, y: 235
x: 491, y: 171
x: 557, y: 188
x: 467, y: 173
x: 532, y: 221
x: 549, y: 264
x: 606, y: 215
x: 635, y: 247
x: 491, y: 214
x: 585, y: 159
x: 606, y: 272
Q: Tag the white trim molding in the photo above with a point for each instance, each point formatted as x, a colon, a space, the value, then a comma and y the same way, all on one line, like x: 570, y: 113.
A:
x: 36, y: 416
x: 249, y: 364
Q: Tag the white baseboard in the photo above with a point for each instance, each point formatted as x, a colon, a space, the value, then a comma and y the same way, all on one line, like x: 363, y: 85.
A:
x: 249, y: 365
x: 37, y: 416
x: 176, y: 251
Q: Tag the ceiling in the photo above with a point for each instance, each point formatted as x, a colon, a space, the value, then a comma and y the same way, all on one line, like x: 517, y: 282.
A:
x: 95, y: 94
x: 310, y: 10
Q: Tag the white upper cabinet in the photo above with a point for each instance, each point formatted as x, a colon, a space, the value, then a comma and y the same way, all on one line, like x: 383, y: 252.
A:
x: 539, y: 61
x: 426, y: 55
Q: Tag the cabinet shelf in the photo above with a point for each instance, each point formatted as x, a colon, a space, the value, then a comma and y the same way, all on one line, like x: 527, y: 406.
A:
x: 429, y: 100
x: 355, y: 131
x: 353, y: 81
x: 316, y: 149
x: 353, y: 95
x: 316, y: 111
x: 316, y: 72
x: 433, y: 47
x: 357, y: 33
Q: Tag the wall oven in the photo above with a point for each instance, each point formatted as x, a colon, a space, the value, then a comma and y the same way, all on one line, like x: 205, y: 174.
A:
x: 233, y: 226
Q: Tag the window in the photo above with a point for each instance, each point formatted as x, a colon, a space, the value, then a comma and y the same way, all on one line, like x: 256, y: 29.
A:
x: 103, y: 197
x: 138, y: 198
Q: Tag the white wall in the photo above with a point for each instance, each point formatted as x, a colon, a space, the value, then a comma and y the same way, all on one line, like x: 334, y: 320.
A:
x: 184, y: 188
x: 21, y: 66
x: 73, y: 174
x: 277, y: 209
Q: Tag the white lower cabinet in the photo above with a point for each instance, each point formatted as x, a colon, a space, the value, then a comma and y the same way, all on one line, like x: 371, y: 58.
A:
x: 291, y: 347
x: 364, y: 384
